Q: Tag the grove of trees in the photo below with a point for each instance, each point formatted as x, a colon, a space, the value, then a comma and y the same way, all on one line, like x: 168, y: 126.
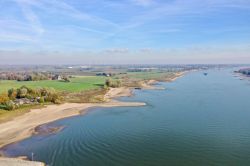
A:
x: 40, y: 95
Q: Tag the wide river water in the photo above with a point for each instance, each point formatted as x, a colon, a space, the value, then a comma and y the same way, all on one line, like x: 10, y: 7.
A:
x: 197, y: 120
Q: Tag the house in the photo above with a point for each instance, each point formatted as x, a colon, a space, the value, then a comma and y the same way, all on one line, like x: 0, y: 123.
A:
x: 57, y: 77
x: 103, y: 74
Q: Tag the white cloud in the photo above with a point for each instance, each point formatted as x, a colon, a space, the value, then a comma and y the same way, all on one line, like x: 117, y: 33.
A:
x: 64, y: 8
x: 189, y: 55
x: 70, y: 25
x: 31, y: 17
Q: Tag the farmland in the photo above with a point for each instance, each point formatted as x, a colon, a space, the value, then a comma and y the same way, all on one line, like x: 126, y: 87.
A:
x: 157, y: 75
x: 76, y: 84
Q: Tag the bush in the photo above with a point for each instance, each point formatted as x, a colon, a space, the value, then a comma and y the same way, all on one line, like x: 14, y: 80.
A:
x: 57, y: 101
x: 33, y: 95
x: 108, y: 82
x: 28, y: 96
x: 50, y: 95
x: 41, y: 100
x: 3, y: 107
x: 105, y: 86
x: 22, y: 92
x: 12, y: 93
x: 4, y: 98
x: 66, y: 79
x: 113, y: 83
x: 10, y: 105
x: 55, y: 98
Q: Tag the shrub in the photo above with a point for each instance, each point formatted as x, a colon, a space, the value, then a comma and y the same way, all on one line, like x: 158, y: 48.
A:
x: 28, y: 96
x: 4, y: 98
x: 22, y: 92
x: 108, y: 82
x: 2, y: 106
x: 12, y: 93
x: 10, y: 105
x: 113, y: 83
x: 55, y: 98
x: 41, y: 100
x: 57, y: 101
x: 105, y: 86
x: 34, y: 95
x: 66, y: 79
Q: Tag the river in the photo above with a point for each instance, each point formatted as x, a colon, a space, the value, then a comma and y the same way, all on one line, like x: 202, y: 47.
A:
x: 196, y: 120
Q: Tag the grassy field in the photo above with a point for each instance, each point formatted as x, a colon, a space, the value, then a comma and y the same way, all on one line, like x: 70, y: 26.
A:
x: 156, y: 75
x: 76, y: 84
x: 78, y: 88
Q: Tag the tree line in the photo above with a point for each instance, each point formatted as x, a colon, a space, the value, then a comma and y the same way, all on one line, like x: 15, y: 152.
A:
x: 15, y: 98
x: 33, y: 76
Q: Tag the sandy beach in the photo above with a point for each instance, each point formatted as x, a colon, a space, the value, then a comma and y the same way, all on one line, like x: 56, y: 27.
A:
x: 23, y: 126
x: 177, y: 75
x: 150, y: 83
x: 19, y: 162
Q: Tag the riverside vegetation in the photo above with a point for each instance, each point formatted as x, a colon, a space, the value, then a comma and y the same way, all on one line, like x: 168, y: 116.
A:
x: 20, y: 91
x: 25, y: 96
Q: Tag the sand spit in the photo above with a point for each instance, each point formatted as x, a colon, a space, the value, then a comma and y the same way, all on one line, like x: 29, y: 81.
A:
x: 150, y: 83
x: 23, y: 126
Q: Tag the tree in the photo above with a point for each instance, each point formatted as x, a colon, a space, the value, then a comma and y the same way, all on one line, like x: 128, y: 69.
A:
x: 12, y: 93
x: 22, y: 92
x: 66, y: 79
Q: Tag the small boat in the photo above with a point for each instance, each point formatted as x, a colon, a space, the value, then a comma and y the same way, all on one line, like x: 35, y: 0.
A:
x: 205, y: 74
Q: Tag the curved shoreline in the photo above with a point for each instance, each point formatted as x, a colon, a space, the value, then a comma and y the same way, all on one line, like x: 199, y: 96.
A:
x: 23, y: 126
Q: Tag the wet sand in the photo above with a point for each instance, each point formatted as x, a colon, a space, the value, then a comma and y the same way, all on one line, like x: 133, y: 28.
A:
x: 26, y: 125
x: 23, y: 126
x: 19, y: 162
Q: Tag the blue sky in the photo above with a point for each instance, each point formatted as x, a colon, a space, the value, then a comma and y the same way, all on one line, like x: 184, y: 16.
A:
x: 124, y: 31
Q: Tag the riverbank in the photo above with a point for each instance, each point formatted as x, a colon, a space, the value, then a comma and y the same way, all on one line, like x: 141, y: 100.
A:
x: 19, y: 162
x: 23, y: 126
x: 150, y: 84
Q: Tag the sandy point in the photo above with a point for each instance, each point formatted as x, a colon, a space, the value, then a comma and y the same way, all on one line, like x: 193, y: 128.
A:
x: 22, y: 127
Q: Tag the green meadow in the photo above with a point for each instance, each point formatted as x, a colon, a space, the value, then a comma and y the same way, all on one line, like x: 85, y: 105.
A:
x: 156, y: 75
x: 76, y: 84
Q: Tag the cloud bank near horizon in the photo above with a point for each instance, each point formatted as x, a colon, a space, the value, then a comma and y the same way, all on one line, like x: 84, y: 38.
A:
x: 126, y: 31
x: 192, y: 55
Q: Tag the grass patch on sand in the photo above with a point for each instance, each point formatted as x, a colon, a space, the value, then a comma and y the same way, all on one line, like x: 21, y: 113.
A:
x: 9, y: 115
